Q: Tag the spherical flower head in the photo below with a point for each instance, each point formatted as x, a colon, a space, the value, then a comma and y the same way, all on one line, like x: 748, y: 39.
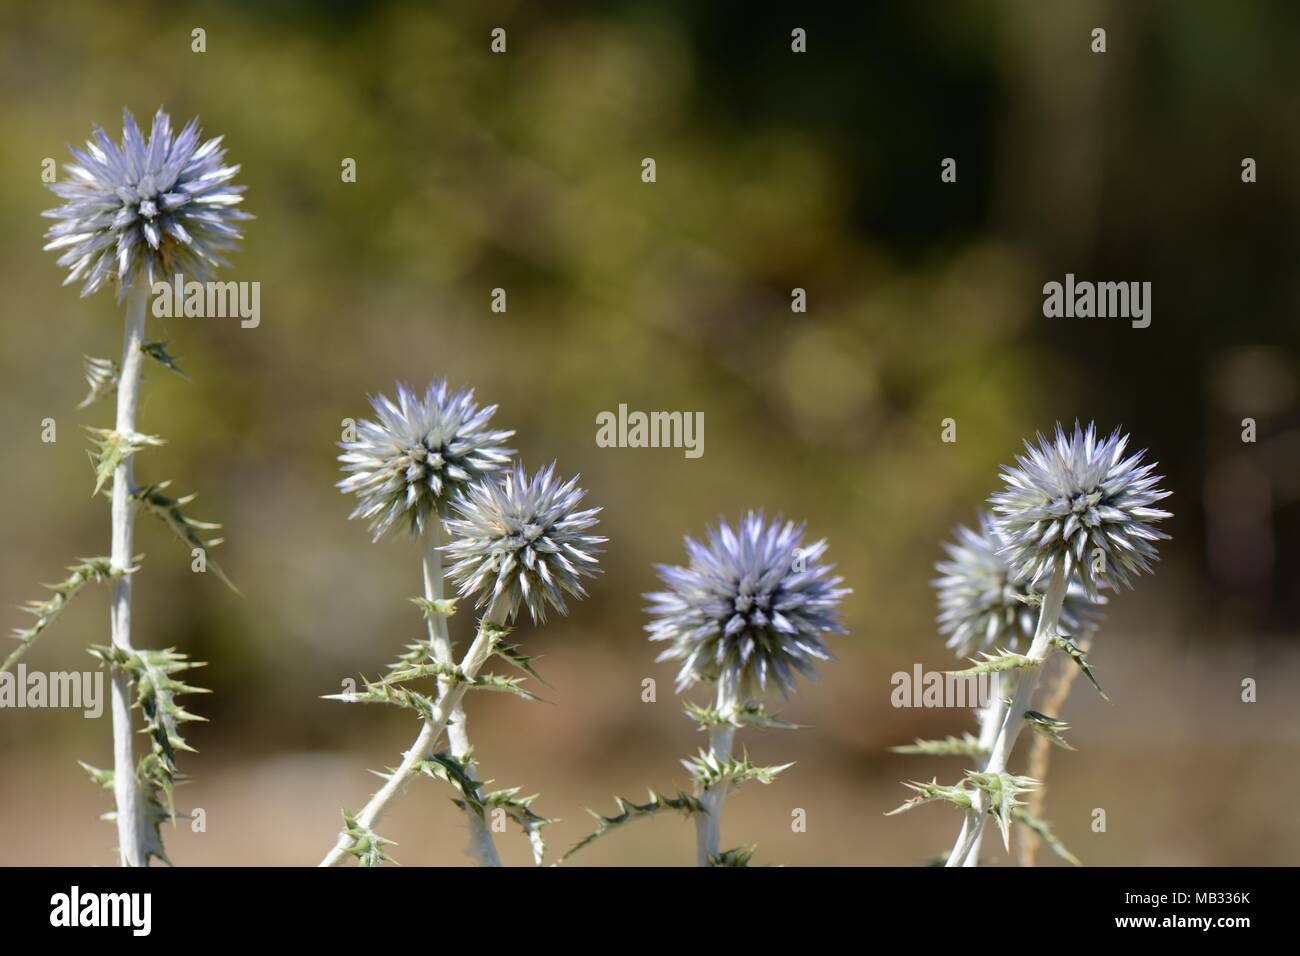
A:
x: 523, y: 541
x: 1075, y: 500
x: 145, y: 211
x: 983, y: 604
x: 750, y: 609
x: 421, y: 452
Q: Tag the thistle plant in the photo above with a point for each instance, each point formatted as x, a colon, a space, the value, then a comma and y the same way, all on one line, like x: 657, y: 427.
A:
x: 1077, y: 514
x: 405, y: 467
x: 134, y: 213
x: 983, y: 604
x: 746, y: 615
x: 515, y: 542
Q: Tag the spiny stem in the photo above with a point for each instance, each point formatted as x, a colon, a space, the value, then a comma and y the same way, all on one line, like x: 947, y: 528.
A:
x: 478, y: 654
x: 1014, y: 720
x: 708, y: 825
x: 481, y: 846
x: 991, y: 718
x: 131, y: 824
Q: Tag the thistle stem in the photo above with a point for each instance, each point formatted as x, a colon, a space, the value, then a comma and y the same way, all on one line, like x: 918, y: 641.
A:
x: 474, y: 659
x: 708, y: 825
x: 131, y: 829
x: 991, y: 718
x: 481, y: 846
x: 1014, y: 720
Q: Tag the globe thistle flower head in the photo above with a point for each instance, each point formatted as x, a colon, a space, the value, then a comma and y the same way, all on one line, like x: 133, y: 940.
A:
x: 523, y: 540
x: 1074, y: 499
x: 751, y: 607
x: 982, y: 604
x: 418, y: 455
x: 144, y: 211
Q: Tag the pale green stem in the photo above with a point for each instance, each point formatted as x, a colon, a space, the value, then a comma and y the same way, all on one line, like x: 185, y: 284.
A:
x: 474, y: 659
x: 131, y: 824
x: 481, y: 846
x: 991, y: 718
x: 708, y: 825
x: 1048, y: 617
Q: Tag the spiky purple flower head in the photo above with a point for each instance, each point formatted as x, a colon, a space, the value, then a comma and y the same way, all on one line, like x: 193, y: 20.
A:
x: 983, y: 604
x: 418, y: 456
x: 1075, y: 500
x: 145, y: 211
x: 523, y: 540
x: 752, y: 606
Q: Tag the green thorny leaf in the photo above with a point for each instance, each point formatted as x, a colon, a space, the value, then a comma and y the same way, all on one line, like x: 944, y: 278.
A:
x: 519, y: 809
x: 158, y: 352
x: 187, y: 529
x: 444, y: 607
x: 417, y: 652
x: 1076, y: 655
x: 995, y: 663
x: 1003, y: 791
x: 455, y: 771
x: 683, y: 803
x: 418, y: 660
x: 85, y: 571
x: 156, y: 692
x: 155, y: 813
x: 709, y: 771
x: 367, y: 845
x: 382, y: 692
x: 512, y: 653
x: 1049, y: 727
x: 1027, y: 819
x: 748, y: 715
x: 967, y: 745
x: 956, y: 794
x: 740, y: 856
x: 508, y: 685
x: 101, y: 375
x: 112, y: 448
x: 102, y: 777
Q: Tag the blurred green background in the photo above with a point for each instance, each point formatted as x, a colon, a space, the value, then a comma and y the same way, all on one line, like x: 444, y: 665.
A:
x: 775, y: 171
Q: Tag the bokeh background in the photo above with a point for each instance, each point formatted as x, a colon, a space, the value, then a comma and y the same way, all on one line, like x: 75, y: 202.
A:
x: 775, y: 171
